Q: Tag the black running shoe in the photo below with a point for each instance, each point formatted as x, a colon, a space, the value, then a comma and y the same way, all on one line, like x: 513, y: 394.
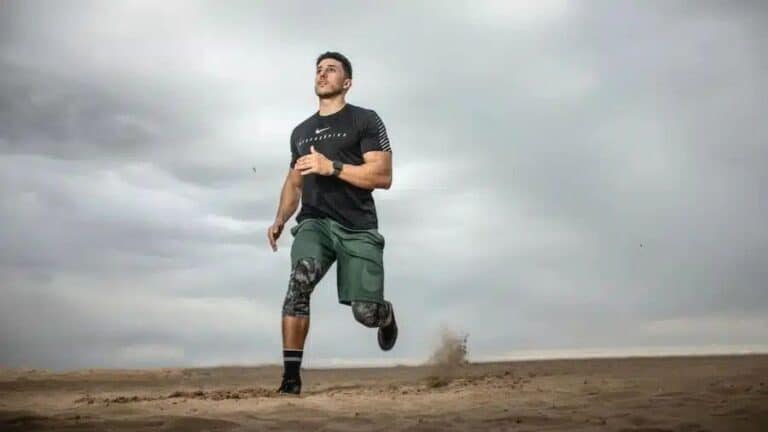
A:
x: 290, y: 386
x: 388, y: 334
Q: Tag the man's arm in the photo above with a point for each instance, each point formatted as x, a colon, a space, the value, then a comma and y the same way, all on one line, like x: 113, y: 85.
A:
x: 289, y: 202
x: 289, y: 196
x: 375, y: 171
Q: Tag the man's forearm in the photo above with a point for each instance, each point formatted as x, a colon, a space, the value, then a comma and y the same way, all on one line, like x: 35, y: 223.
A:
x: 366, y: 176
x: 289, y: 202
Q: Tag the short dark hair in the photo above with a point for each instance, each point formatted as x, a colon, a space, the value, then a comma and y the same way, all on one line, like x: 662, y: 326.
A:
x: 336, y: 56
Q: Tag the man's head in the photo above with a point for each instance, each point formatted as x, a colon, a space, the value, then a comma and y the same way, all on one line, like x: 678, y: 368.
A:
x: 333, y: 75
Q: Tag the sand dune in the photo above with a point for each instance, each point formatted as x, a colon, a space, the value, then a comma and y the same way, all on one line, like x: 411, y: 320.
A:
x: 723, y: 393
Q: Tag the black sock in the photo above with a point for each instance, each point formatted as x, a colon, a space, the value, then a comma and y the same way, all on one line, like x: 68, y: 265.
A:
x: 292, y: 362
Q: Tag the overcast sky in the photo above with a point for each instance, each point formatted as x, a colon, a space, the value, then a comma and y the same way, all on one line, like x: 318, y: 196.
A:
x: 567, y: 175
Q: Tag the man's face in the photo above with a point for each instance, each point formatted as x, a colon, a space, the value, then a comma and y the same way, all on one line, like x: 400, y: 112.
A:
x: 330, y: 79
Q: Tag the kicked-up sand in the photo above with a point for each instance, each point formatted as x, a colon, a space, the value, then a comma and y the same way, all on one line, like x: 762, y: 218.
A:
x: 681, y: 394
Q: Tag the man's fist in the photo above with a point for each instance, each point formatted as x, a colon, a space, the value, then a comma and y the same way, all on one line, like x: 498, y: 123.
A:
x: 314, y: 163
x: 273, y: 233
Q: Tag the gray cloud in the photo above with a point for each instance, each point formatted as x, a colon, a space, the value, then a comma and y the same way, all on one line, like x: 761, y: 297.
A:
x: 567, y: 175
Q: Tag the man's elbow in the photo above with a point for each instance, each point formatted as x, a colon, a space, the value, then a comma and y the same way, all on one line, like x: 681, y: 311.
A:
x: 386, y: 182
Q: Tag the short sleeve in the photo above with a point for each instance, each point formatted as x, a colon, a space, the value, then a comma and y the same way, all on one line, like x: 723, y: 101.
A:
x: 374, y: 135
x: 294, y: 151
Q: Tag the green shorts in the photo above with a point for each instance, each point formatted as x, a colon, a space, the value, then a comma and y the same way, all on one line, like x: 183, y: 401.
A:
x: 360, y: 256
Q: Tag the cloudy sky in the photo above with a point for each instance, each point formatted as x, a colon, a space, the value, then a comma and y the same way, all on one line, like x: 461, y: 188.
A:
x: 567, y: 175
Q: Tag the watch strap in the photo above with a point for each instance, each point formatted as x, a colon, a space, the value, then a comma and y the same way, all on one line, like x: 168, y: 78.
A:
x: 337, y: 166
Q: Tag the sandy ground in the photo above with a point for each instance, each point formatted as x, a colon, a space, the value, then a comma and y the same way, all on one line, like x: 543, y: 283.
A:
x: 725, y: 393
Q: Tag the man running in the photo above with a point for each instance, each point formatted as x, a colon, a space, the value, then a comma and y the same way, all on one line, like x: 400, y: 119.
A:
x: 340, y: 154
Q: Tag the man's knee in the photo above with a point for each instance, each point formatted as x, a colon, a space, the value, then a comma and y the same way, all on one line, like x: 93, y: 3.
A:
x: 304, y: 276
x: 370, y: 314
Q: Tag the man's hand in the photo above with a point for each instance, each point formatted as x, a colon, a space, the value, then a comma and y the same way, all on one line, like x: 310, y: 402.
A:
x: 314, y: 163
x: 273, y: 233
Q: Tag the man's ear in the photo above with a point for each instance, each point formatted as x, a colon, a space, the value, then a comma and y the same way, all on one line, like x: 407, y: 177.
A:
x: 347, y: 83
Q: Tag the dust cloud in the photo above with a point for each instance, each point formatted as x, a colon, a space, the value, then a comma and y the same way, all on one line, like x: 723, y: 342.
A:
x: 448, y: 359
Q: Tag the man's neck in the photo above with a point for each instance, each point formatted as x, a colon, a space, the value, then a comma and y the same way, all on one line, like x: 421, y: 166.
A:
x: 332, y: 105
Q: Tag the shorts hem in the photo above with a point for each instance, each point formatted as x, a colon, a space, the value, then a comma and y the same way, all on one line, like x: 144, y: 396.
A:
x: 348, y: 302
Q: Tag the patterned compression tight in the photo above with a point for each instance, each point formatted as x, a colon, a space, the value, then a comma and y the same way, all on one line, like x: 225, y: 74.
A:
x: 304, y: 277
x: 371, y: 314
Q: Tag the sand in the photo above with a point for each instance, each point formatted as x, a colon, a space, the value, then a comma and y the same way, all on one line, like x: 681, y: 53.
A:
x: 722, y: 393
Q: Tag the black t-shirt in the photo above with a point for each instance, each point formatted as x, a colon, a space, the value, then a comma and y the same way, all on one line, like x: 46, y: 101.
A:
x: 345, y: 136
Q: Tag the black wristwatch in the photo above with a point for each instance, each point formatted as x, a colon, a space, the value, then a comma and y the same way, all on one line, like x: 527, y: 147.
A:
x: 337, y: 166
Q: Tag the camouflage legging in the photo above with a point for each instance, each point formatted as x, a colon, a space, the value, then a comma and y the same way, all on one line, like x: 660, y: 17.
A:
x: 371, y: 314
x: 304, y: 277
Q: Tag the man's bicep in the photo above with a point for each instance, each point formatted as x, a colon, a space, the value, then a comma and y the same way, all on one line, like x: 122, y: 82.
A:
x: 294, y: 178
x: 382, y: 160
